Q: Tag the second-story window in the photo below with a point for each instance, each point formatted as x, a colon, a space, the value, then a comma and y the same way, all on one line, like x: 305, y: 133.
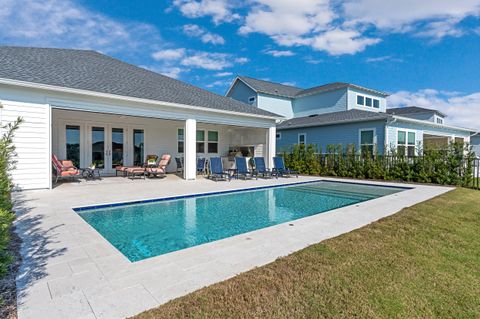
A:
x: 360, y: 100
x: 251, y: 100
x: 439, y: 120
x: 302, y: 138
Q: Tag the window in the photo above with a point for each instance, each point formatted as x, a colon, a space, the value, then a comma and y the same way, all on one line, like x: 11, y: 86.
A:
x: 200, y: 141
x: 279, y: 136
x: 376, y: 103
x: 367, y: 142
x: 439, y: 120
x: 368, y: 101
x: 138, y: 147
x: 212, y: 141
x: 360, y: 100
x: 98, y: 147
x: 180, y: 139
x: 73, y: 144
x: 302, y: 138
x: 251, y: 99
x: 406, y: 143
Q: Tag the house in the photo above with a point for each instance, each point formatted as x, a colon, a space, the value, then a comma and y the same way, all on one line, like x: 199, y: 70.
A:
x: 475, y: 142
x: 91, y: 108
x: 346, y: 114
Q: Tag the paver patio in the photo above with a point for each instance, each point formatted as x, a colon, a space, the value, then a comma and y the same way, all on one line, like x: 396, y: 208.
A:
x: 70, y: 271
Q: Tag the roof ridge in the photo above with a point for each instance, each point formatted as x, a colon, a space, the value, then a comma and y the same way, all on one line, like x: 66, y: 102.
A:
x: 268, y: 81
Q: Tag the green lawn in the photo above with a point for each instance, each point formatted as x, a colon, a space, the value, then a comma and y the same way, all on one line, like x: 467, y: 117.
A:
x: 423, y: 262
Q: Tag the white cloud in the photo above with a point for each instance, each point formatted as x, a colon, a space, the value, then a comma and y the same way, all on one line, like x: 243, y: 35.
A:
x: 338, y: 41
x: 169, y: 54
x: 241, y: 60
x: 462, y: 110
x: 218, y: 83
x: 279, y: 53
x: 383, y: 58
x: 289, y: 83
x: 219, y: 10
x: 64, y: 23
x: 173, y: 72
x: 193, y: 30
x: 223, y: 74
x: 403, y: 16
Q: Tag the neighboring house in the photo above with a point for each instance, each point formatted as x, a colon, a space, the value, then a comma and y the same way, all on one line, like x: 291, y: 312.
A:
x: 346, y: 114
x: 475, y: 142
x: 88, y: 107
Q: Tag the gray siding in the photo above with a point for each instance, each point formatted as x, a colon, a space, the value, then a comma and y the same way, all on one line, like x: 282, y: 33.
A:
x: 275, y: 104
x: 332, y: 134
x: 320, y: 103
x: 241, y: 92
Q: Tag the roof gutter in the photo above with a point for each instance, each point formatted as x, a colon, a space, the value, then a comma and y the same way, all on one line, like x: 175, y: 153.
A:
x: 332, y: 123
x: 127, y: 98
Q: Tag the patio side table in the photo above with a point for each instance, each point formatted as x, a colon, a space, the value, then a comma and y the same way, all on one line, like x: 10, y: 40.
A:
x: 90, y: 173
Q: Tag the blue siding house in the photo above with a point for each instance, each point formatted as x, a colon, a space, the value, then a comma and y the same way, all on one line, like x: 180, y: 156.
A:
x: 348, y: 114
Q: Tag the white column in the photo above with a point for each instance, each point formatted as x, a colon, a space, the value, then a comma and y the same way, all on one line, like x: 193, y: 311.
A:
x: 271, y: 144
x: 190, y: 150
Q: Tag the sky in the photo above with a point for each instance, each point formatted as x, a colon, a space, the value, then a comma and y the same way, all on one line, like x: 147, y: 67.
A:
x: 424, y: 53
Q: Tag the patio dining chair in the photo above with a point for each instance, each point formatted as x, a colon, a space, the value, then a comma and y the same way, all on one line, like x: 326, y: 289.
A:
x: 201, y: 167
x: 64, y: 169
x: 279, y: 168
x: 216, y: 171
x: 242, y: 169
x: 261, y: 168
x: 179, y: 162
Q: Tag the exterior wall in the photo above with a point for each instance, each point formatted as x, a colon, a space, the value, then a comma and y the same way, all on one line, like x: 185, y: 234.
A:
x: 275, y: 104
x: 326, y: 102
x: 32, y: 142
x: 322, y: 136
x: 352, y: 101
x: 242, y: 92
x: 423, y: 116
x: 419, y: 130
x: 475, y: 142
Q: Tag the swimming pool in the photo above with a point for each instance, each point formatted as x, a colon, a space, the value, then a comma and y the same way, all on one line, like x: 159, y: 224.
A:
x: 143, y: 230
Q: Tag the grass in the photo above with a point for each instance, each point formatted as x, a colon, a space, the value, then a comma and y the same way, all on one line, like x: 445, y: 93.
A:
x: 420, y: 263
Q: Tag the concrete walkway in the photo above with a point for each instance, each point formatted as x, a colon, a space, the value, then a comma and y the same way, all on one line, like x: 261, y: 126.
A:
x: 70, y: 271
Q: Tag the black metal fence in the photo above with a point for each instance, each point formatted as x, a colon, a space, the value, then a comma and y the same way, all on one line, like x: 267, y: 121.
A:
x: 442, y: 170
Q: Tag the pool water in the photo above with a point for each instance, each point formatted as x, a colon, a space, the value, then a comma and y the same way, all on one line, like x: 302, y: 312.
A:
x: 145, y: 230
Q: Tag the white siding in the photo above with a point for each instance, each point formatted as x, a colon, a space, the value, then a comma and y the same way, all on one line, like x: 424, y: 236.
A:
x: 32, y: 142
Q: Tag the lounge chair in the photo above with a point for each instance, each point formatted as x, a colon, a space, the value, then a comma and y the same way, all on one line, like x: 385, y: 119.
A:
x: 201, y: 161
x: 132, y: 171
x: 160, y: 168
x: 216, y: 171
x: 280, y: 170
x: 242, y: 169
x: 64, y: 169
x: 261, y: 168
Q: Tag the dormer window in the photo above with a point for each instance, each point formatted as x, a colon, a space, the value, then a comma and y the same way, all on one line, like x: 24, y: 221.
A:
x: 439, y: 120
x: 367, y: 101
x: 376, y: 103
x: 251, y: 99
x: 360, y: 100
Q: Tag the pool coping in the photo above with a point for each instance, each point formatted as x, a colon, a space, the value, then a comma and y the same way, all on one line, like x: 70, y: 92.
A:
x: 92, y: 279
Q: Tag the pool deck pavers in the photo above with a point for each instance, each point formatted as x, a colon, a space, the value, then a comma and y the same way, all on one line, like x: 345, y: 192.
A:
x: 70, y: 271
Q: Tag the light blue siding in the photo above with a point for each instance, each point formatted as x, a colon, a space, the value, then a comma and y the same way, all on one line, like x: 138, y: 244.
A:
x: 275, y: 104
x: 475, y: 142
x: 322, y: 136
x: 419, y: 130
x: 352, y: 101
x: 320, y: 103
x: 242, y: 92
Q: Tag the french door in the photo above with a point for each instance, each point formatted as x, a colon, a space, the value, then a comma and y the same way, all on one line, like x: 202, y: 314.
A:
x: 107, y: 147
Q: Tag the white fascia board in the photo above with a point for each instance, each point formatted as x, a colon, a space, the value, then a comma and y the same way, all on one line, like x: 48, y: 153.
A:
x: 428, y: 123
x: 127, y: 98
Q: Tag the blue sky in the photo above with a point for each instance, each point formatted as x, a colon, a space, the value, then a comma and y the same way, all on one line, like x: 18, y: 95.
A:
x: 424, y: 53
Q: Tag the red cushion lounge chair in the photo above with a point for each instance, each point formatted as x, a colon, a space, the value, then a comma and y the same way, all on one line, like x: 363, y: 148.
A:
x: 64, y: 168
x: 161, y: 168
x: 133, y: 171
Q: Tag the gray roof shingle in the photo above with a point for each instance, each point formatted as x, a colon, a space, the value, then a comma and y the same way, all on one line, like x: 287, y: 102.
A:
x: 272, y: 88
x: 289, y: 91
x: 332, y: 118
x: 93, y: 71
x: 412, y: 110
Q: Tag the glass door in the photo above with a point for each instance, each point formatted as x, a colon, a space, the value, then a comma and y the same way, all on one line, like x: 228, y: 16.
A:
x: 98, y: 153
x: 117, y: 147
x: 107, y: 147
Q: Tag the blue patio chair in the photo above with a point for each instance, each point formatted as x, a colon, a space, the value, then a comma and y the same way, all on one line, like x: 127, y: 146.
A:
x: 242, y: 169
x: 216, y: 171
x: 201, y: 165
x: 261, y: 168
x: 279, y: 168
x: 179, y: 162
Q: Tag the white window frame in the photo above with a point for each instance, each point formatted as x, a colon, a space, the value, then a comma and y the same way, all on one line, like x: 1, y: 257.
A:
x: 278, y: 136
x: 250, y: 101
x: 360, y: 137
x: 356, y: 99
x: 304, y: 138
x: 365, y: 101
x: 406, y: 140
x: 212, y: 142
x: 180, y: 128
